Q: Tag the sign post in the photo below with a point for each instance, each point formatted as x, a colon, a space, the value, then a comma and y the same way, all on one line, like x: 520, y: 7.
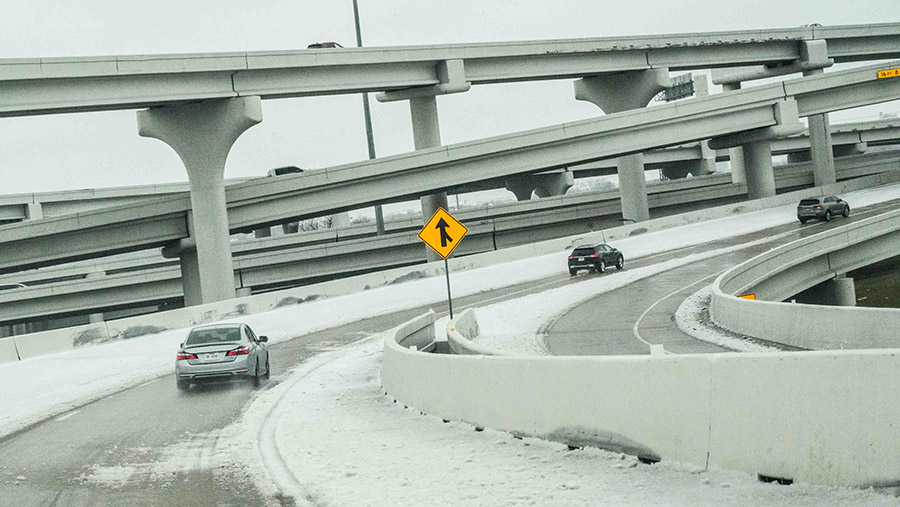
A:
x: 442, y: 233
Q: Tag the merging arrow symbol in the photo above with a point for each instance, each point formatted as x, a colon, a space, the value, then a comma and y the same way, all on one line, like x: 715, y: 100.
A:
x: 445, y: 238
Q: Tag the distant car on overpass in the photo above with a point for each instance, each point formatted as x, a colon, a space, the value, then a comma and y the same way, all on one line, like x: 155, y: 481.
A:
x: 6, y: 286
x: 822, y: 207
x: 324, y: 45
x: 278, y: 171
x: 595, y: 257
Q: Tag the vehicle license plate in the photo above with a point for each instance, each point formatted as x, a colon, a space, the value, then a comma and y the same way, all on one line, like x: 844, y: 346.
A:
x: 213, y: 355
x: 580, y: 259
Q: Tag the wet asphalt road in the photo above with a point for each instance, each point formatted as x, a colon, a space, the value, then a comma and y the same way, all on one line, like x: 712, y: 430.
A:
x: 118, y: 437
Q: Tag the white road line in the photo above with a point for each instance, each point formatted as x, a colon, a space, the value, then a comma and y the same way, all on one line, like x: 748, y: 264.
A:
x: 64, y: 417
x: 660, y: 300
x: 149, y: 382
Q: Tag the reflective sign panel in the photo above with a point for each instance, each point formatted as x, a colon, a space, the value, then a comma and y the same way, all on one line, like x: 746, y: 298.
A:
x: 442, y: 232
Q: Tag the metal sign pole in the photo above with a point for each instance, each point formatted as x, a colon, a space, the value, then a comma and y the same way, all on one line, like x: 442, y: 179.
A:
x: 449, y: 298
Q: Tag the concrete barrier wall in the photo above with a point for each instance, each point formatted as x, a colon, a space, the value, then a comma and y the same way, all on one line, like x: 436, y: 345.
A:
x: 61, y: 339
x: 796, y: 266
x: 8, y: 350
x: 462, y: 330
x: 822, y: 417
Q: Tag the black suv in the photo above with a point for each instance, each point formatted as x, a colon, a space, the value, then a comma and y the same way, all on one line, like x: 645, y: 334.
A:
x: 596, y: 257
x: 822, y: 207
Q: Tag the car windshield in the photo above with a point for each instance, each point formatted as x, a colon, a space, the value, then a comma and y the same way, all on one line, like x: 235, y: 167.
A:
x: 809, y: 202
x: 213, y: 336
x: 583, y: 251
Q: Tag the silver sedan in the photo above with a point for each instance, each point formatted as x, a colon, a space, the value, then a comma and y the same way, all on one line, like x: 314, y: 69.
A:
x: 221, y: 351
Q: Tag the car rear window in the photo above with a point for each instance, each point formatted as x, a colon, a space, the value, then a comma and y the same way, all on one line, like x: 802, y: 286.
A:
x: 808, y: 202
x: 212, y: 335
x: 583, y: 251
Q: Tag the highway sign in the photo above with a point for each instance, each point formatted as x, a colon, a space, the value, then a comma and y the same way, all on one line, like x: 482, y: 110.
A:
x: 884, y: 74
x: 442, y: 232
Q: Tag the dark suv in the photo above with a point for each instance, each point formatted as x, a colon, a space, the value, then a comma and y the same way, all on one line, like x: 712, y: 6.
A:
x: 822, y: 207
x: 596, y: 257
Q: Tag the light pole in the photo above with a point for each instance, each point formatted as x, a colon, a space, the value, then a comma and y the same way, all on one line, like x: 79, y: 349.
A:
x: 379, y: 214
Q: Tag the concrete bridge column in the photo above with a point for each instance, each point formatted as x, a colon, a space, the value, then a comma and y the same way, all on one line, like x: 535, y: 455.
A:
x: 820, y: 144
x: 34, y: 211
x: 843, y: 290
x: 614, y: 93
x: 736, y: 154
x: 262, y: 232
x: 427, y: 134
x: 758, y: 166
x: 95, y: 318
x: 202, y: 134
x: 543, y: 185
x: 451, y: 76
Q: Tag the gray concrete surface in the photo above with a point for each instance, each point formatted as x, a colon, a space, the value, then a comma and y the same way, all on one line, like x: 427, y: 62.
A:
x: 606, y: 324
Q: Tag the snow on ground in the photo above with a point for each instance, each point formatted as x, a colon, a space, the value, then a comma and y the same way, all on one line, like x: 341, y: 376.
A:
x: 692, y: 317
x: 342, y: 442
x: 41, y: 387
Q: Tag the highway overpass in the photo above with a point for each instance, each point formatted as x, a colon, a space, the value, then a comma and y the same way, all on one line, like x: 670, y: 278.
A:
x: 301, y: 259
x: 232, y: 85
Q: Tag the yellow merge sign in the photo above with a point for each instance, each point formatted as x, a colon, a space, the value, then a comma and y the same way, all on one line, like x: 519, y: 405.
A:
x: 442, y: 232
x: 883, y: 74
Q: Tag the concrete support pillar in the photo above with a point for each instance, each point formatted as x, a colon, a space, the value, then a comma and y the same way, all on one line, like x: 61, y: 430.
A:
x: 262, y: 232
x: 758, y: 165
x: 735, y: 155
x: 615, y: 93
x: 633, y: 188
x: 843, y: 290
x: 202, y: 134
x: 820, y: 144
x: 521, y: 186
x: 34, y: 211
x: 553, y: 184
x: 242, y: 292
x: 542, y: 185
x: 340, y: 220
x: 95, y: 318
x: 190, y: 278
x: 707, y: 163
x: 427, y: 134
x: 797, y: 157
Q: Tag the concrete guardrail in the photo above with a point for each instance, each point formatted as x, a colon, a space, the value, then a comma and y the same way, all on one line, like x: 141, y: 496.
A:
x: 799, y: 265
x: 821, y: 417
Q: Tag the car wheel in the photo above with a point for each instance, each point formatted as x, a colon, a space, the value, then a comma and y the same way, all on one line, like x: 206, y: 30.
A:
x: 182, y: 384
x: 256, y: 375
x: 268, y: 371
x: 572, y: 272
x: 828, y: 215
x: 620, y: 262
x: 802, y: 220
x: 602, y: 266
x: 846, y: 212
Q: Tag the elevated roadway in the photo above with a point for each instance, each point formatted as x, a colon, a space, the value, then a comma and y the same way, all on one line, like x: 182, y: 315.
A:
x: 628, y: 320
x: 307, y: 258
x: 161, y: 221
x: 58, y: 85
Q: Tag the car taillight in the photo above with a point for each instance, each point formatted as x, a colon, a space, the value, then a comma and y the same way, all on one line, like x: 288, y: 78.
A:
x: 240, y: 351
x: 571, y: 256
x: 818, y: 207
x: 594, y: 255
x: 184, y: 355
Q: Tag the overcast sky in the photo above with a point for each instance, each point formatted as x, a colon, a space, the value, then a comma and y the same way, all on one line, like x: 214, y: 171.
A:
x: 103, y: 149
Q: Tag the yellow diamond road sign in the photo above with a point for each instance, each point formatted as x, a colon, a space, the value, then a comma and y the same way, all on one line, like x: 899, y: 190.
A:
x: 442, y: 232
